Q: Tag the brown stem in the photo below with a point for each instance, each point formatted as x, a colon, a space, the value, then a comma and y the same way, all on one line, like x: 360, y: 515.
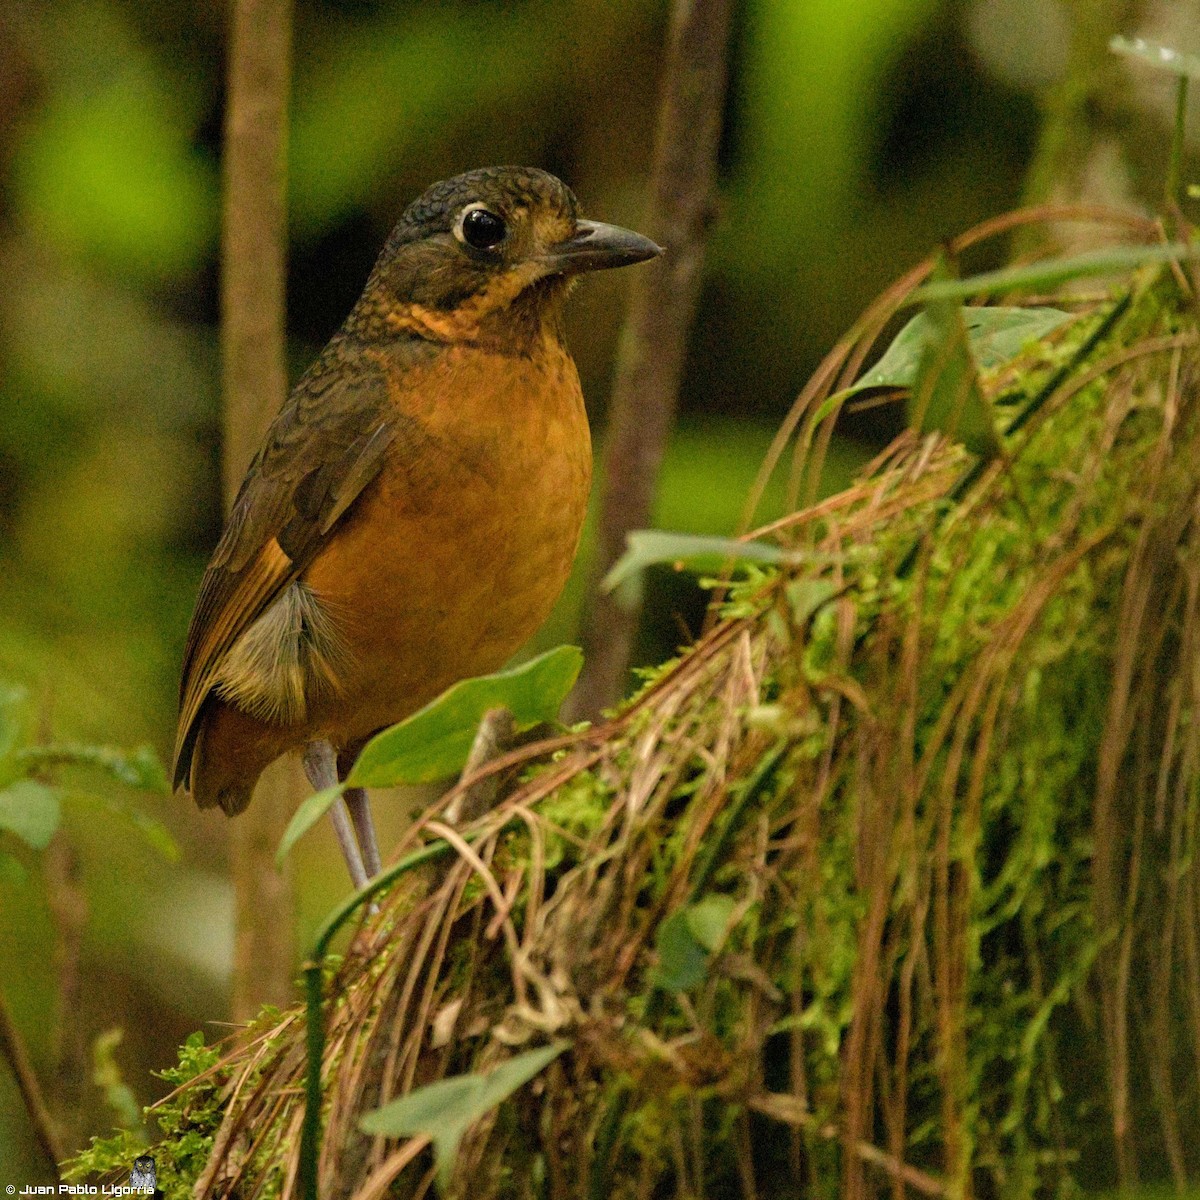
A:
x: 662, y: 304
x: 68, y: 910
x: 785, y: 1108
x: 254, y: 250
x: 12, y: 1046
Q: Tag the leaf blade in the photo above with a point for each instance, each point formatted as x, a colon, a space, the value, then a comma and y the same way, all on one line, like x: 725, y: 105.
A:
x: 446, y: 1109
x: 137, y: 768
x: 651, y: 547
x: 682, y: 959
x: 1158, y: 56
x: 996, y: 335
x: 434, y: 742
x: 708, y: 919
x: 1113, y: 260
x: 946, y: 395
x: 30, y: 811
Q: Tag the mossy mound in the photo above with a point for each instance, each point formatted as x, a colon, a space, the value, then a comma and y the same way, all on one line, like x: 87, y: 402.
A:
x: 887, y: 885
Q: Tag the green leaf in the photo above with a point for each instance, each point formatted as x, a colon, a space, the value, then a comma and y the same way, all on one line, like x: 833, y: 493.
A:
x: 138, y: 768
x: 434, y: 743
x: 682, y: 957
x: 31, y: 811
x: 996, y: 334
x: 1114, y: 260
x: 686, y: 941
x: 945, y: 394
x: 106, y: 1075
x: 807, y: 595
x: 446, y: 1110
x: 1161, y: 58
x: 649, y: 547
x: 937, y: 355
x: 708, y: 920
x: 305, y: 817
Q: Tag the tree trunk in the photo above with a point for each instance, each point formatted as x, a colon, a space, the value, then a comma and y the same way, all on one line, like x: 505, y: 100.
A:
x: 663, y: 301
x: 254, y: 251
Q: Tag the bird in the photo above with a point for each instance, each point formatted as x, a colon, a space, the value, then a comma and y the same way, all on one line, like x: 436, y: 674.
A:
x: 416, y: 506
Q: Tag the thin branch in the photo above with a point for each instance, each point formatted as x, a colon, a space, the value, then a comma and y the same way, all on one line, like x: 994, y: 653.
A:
x: 69, y: 910
x: 12, y: 1046
x: 785, y: 1108
x: 254, y: 250
x: 662, y: 305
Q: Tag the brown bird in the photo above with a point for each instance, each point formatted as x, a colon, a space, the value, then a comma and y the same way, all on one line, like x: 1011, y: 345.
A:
x: 415, y: 509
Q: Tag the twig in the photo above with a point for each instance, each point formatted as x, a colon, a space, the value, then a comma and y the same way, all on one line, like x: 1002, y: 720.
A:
x: 255, y: 383
x: 661, y: 307
x: 13, y: 1047
x: 68, y: 910
x: 785, y: 1108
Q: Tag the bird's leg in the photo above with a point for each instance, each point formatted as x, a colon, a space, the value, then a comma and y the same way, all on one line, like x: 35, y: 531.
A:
x: 360, y: 813
x: 494, y: 736
x: 364, y: 828
x: 320, y: 765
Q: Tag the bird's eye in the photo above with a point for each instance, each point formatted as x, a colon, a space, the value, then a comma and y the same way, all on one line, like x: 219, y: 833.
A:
x: 482, y: 228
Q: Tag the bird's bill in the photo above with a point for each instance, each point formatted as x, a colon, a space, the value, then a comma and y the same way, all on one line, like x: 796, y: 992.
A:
x: 597, y: 246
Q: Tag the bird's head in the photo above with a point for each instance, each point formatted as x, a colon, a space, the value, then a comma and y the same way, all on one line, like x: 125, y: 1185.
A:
x: 495, y: 245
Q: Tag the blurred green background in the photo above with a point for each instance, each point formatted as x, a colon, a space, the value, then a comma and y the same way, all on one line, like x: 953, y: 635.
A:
x: 857, y: 136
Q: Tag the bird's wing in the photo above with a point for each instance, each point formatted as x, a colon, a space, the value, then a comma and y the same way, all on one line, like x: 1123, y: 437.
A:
x: 325, y: 446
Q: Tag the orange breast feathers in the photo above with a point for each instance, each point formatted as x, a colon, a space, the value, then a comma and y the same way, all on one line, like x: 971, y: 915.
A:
x: 454, y: 557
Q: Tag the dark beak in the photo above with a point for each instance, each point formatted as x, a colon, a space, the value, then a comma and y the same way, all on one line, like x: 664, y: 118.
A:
x: 597, y: 246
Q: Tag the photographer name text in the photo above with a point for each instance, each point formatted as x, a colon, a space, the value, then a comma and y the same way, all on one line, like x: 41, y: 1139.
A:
x: 79, y: 1189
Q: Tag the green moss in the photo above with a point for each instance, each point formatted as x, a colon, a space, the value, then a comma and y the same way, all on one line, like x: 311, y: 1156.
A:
x: 186, y: 1124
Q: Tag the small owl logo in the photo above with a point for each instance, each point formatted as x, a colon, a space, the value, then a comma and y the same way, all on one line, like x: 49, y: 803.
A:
x: 144, y: 1174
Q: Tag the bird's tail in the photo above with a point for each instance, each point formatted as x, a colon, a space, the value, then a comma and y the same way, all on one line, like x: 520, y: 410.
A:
x: 230, y: 751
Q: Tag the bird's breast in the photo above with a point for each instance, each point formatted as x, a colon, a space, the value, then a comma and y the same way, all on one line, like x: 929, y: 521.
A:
x: 451, y: 560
